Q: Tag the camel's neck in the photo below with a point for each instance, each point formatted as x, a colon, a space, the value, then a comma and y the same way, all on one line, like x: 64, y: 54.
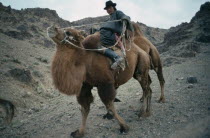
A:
x: 68, y: 69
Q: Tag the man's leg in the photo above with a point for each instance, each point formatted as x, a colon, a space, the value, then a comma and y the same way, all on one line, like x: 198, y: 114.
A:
x: 116, y: 59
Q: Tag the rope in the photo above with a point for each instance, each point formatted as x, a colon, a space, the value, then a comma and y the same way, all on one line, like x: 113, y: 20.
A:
x: 100, y: 49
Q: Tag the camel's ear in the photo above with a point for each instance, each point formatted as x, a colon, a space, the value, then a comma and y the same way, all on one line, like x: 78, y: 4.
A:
x: 56, y: 27
x: 83, y: 33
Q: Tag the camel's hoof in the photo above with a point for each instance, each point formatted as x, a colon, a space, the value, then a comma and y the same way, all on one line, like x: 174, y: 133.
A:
x: 144, y: 114
x: 124, y: 129
x: 108, y: 116
x: 117, y: 100
x: 162, y: 100
x: 76, y: 134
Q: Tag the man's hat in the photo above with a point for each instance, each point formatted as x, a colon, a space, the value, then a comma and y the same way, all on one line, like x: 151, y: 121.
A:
x: 109, y: 3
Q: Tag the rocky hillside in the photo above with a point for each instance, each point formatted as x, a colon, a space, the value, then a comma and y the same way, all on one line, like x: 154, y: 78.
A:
x: 185, y: 39
x: 29, y: 24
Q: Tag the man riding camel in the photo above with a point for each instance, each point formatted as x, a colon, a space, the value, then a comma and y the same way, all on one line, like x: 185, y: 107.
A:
x: 109, y: 30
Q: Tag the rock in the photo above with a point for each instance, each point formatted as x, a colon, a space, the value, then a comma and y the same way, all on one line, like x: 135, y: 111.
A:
x: 192, y: 80
x: 35, y: 109
x: 44, y: 60
x: 180, y: 78
x: 22, y: 27
x: 22, y: 75
x: 26, y: 94
x: 172, y: 107
x: 190, y: 86
x: 39, y: 88
x: 137, y: 94
x: 37, y: 74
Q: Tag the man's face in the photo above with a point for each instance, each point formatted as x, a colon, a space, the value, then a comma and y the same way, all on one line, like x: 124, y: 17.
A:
x: 110, y: 10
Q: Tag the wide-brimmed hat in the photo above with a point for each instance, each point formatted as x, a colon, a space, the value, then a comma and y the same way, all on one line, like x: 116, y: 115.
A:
x: 109, y: 3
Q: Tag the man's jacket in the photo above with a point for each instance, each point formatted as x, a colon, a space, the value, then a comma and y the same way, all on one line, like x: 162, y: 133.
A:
x: 116, y: 27
x: 108, y: 29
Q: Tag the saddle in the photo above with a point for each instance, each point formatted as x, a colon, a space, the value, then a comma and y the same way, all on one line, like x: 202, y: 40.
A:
x: 93, y: 42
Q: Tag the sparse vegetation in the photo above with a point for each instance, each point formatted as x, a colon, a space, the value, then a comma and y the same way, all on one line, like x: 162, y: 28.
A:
x: 16, y: 61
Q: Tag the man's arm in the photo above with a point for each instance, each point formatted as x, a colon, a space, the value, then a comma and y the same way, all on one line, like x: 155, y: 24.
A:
x: 126, y: 19
x: 121, y: 15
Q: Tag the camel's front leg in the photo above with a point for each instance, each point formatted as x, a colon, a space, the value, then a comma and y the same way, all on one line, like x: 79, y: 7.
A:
x: 85, y: 99
x: 109, y: 115
x: 107, y: 94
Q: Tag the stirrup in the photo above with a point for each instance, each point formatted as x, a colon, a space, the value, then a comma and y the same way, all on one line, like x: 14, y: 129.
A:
x: 117, y: 63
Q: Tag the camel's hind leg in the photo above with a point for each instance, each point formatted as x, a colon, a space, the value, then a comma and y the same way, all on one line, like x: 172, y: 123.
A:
x: 85, y: 98
x: 158, y: 69
x: 161, y: 79
x: 145, y: 82
x: 107, y: 94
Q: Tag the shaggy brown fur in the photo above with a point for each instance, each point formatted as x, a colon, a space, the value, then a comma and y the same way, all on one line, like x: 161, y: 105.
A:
x: 9, y: 108
x: 76, y: 71
x: 141, y: 41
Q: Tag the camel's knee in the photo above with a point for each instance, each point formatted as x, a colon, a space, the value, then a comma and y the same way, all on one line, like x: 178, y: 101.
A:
x: 162, y: 82
x: 107, y: 93
x: 85, y: 97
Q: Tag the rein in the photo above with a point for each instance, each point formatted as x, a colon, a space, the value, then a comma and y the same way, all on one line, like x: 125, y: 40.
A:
x: 65, y: 40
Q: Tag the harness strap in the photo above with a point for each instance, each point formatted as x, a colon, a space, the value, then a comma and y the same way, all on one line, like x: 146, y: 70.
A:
x: 101, y: 49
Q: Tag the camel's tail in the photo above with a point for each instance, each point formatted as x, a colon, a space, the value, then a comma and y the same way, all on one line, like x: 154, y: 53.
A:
x: 9, y: 109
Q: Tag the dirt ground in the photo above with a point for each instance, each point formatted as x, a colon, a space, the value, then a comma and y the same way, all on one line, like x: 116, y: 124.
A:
x: 186, y: 112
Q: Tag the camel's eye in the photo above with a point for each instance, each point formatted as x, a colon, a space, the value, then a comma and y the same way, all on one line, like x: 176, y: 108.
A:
x: 68, y: 33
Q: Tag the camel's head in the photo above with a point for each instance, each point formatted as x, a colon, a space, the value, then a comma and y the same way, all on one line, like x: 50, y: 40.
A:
x: 65, y: 36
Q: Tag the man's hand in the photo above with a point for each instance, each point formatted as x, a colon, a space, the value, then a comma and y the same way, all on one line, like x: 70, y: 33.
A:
x: 124, y: 20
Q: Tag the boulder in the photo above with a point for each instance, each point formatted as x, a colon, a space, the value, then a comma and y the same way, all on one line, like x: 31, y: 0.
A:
x: 192, y: 80
x: 22, y: 75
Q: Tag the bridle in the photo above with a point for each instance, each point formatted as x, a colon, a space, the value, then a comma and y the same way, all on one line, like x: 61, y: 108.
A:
x: 68, y: 39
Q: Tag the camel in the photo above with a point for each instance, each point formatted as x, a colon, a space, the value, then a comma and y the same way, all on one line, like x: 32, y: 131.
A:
x: 9, y: 109
x: 76, y: 71
x: 141, y: 41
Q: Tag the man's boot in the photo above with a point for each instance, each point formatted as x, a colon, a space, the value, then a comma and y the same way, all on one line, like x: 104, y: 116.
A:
x: 114, y: 57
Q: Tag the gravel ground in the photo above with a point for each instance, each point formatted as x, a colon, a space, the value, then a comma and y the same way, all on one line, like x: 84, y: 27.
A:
x: 186, y: 112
